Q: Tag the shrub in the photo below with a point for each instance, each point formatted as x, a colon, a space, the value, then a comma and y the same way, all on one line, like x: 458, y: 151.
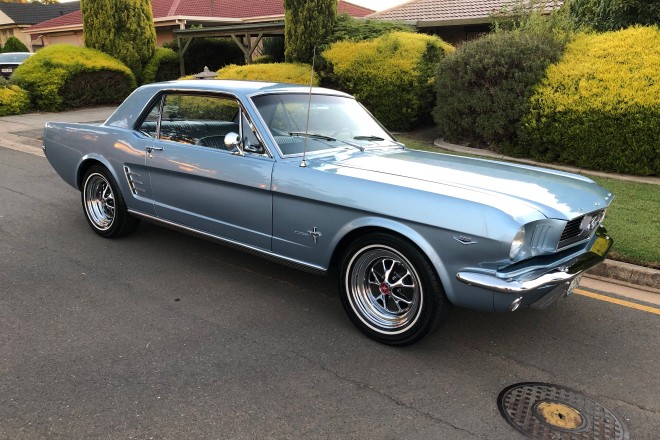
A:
x: 273, y: 47
x: 214, y: 53
x: 264, y: 59
x: 13, y: 44
x: 63, y: 76
x: 611, y: 15
x: 483, y: 89
x: 277, y: 72
x: 391, y: 75
x: 123, y: 29
x: 307, y: 24
x: 163, y: 66
x: 349, y: 28
x: 599, y: 107
x: 13, y: 100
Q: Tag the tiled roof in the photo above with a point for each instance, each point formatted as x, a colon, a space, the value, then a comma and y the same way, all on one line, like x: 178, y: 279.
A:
x: 444, y: 10
x: 31, y: 13
x: 232, y: 9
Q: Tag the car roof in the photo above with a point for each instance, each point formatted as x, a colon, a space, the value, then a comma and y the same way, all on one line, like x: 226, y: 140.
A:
x: 240, y: 87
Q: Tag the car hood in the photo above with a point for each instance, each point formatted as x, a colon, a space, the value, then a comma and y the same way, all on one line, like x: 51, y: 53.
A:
x: 554, y: 194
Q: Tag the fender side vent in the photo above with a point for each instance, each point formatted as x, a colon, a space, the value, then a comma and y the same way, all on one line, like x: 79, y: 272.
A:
x: 133, y: 182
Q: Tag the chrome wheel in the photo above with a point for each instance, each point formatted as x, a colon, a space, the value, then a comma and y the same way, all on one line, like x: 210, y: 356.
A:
x: 99, y: 201
x: 384, y: 289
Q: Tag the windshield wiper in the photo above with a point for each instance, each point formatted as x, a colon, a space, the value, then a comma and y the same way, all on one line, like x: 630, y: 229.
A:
x: 324, y: 138
x: 312, y: 135
x: 368, y: 138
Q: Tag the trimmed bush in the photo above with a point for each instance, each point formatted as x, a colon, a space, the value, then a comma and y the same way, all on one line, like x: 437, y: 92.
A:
x: 599, y: 107
x: 163, y: 66
x: 13, y: 44
x: 293, y: 73
x: 64, y: 76
x: 13, y: 100
x: 393, y: 75
x: 483, y: 89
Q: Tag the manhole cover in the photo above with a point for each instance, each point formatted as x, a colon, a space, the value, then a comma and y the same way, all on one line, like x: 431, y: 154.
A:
x: 550, y: 412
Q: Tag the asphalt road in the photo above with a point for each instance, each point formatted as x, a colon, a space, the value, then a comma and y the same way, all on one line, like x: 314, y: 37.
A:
x: 163, y: 335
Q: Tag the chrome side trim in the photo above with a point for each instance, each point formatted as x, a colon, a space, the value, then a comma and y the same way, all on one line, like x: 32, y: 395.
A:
x: 289, y: 262
x: 557, y: 275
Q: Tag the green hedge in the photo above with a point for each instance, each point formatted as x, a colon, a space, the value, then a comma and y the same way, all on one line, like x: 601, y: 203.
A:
x: 599, y: 107
x: 483, y: 89
x: 13, y: 100
x: 163, y: 66
x: 393, y: 75
x: 64, y: 76
x: 294, y: 73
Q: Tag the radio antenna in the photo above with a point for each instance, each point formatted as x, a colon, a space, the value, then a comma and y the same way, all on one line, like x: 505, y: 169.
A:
x: 309, y: 107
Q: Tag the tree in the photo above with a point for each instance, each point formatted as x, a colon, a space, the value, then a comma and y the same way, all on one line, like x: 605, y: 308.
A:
x: 307, y: 23
x: 611, y: 15
x: 13, y: 44
x: 121, y: 28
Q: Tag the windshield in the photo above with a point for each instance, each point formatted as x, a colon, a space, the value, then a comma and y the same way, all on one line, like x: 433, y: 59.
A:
x: 334, y: 121
x: 14, y: 57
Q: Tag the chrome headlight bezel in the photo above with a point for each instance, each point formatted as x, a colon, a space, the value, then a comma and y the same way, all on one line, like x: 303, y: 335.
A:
x: 517, y: 243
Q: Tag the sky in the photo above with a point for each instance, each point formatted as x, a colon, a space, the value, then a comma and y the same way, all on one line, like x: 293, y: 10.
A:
x: 376, y: 5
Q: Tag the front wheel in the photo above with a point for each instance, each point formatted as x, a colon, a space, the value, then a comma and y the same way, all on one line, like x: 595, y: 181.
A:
x: 390, y: 290
x: 104, y: 205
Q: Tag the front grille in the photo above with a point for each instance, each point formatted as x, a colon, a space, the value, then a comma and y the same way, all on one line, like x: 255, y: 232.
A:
x: 572, y: 229
x: 580, y: 228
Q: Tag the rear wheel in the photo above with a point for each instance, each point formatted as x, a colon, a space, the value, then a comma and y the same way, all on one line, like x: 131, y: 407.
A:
x: 390, y: 290
x: 104, y: 205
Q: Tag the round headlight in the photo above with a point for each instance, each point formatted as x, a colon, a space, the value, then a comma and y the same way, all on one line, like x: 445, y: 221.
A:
x: 517, y: 243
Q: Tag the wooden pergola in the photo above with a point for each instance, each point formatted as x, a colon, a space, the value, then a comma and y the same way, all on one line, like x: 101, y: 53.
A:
x: 246, y: 35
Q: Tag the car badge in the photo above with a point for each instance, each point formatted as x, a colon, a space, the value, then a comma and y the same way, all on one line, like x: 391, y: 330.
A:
x: 464, y: 240
x: 314, y: 233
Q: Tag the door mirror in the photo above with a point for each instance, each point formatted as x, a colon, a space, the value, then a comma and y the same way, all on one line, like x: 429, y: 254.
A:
x: 233, y: 142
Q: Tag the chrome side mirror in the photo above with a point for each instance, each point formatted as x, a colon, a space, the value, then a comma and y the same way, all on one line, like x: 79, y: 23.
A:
x: 233, y: 143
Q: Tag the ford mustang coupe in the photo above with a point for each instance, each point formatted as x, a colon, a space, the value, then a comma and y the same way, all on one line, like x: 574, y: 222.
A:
x: 307, y: 177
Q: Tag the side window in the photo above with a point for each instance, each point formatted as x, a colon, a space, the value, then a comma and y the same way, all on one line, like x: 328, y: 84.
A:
x: 199, y: 119
x: 150, y: 123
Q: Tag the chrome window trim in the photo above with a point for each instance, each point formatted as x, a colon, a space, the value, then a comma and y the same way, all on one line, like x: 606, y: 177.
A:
x: 184, y: 91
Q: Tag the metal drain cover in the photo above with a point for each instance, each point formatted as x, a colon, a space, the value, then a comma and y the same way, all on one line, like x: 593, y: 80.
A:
x: 550, y: 412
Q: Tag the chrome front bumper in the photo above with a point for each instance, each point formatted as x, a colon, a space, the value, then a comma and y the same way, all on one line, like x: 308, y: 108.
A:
x: 600, y: 246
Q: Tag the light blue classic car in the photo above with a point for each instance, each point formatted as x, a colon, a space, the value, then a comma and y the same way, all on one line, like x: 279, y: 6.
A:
x: 307, y: 177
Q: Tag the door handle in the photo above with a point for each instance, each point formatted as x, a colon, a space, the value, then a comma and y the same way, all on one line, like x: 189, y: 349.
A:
x: 152, y: 148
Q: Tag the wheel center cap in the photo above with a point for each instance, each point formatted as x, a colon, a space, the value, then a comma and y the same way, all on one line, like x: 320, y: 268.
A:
x: 384, y: 288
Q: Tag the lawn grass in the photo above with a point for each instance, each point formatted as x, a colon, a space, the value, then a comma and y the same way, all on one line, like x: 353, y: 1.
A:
x: 632, y: 218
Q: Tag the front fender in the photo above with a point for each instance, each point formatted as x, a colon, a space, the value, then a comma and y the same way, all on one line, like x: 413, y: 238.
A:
x: 350, y: 229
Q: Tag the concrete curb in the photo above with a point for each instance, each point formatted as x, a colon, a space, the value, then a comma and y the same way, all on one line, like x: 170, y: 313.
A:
x: 628, y: 274
x: 624, y: 273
